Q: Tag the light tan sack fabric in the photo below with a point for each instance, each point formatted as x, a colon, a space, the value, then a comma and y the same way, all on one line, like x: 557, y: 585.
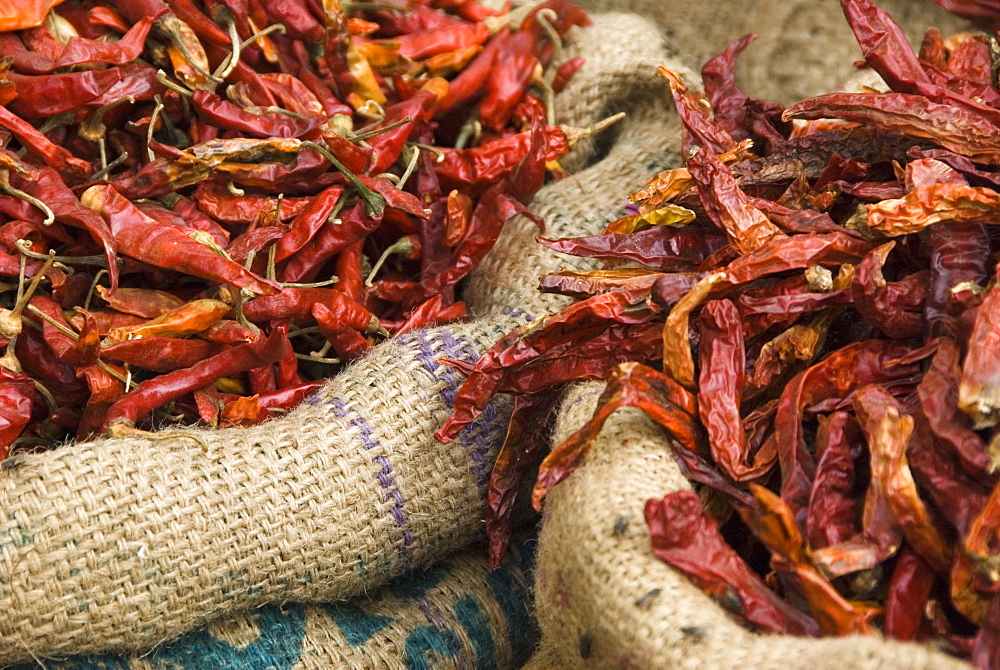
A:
x: 123, y: 544
x: 603, y: 600
x: 805, y: 48
x: 457, y: 614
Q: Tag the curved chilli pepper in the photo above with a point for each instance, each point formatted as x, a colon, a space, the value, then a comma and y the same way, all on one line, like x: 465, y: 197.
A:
x: 217, y: 202
x: 349, y: 344
x: 331, y: 239
x: 747, y: 228
x: 488, y: 163
x: 297, y: 303
x: 147, y: 240
x: 143, y: 302
x: 702, y: 130
x: 160, y: 354
x: 506, y: 85
x: 153, y: 393
x: 938, y: 394
x: 838, y: 375
x: 663, y: 247
x: 421, y: 45
x: 888, y: 431
x: 686, y: 537
x: 772, y: 522
x: 526, y: 438
x: 188, y: 319
x: 894, y: 308
x: 834, y: 508
x: 17, y: 403
x: 80, y: 50
x: 720, y: 387
x: 927, y: 205
x: 631, y: 385
x: 56, y: 157
x: 431, y: 313
x: 51, y: 94
x: 966, y: 130
x: 225, y: 114
x: 305, y: 226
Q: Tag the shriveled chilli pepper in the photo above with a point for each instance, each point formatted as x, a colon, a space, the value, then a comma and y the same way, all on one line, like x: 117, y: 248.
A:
x: 345, y: 339
x: 297, y: 303
x: 227, y: 115
x: 431, y: 313
x: 187, y: 319
x: 687, y: 538
x: 888, y: 431
x: 145, y: 239
x: 979, y: 387
x: 160, y: 354
x: 720, y: 386
x: 331, y: 238
x: 151, y: 394
x: 17, y: 402
x: 664, y: 248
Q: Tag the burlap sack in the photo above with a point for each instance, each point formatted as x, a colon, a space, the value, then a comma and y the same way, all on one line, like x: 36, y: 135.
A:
x: 457, y: 614
x: 805, y: 48
x: 603, y: 600
x: 123, y: 544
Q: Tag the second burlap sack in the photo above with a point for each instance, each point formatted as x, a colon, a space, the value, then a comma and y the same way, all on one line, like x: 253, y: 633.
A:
x: 123, y: 544
x: 603, y: 600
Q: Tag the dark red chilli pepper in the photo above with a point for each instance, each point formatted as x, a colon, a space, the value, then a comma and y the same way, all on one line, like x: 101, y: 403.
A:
x: 505, y: 85
x: 54, y: 156
x: 225, y: 114
x: 297, y: 303
x: 348, y: 271
x: 17, y: 404
x: 148, y: 240
x: 686, y: 537
x: 47, y: 95
x: 160, y: 354
x: 309, y: 221
x: 331, y: 239
x: 149, y: 395
x: 345, y: 339
x: 909, y: 591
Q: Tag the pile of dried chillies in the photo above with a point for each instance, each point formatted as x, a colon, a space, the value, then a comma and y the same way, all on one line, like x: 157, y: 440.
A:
x: 199, y: 197
x: 810, y: 309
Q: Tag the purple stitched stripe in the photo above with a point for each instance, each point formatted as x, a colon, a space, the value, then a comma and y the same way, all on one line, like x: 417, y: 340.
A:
x: 384, y: 476
x: 478, y: 433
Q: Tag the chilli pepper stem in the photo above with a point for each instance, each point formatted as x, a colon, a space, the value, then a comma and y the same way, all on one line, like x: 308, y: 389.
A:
x: 23, y: 247
x: 401, y: 246
x: 374, y: 203
x: 7, y: 188
x: 368, y: 132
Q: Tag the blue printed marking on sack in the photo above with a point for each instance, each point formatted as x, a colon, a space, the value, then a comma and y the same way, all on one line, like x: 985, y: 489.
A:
x: 470, y: 616
x: 426, y: 643
x: 356, y: 625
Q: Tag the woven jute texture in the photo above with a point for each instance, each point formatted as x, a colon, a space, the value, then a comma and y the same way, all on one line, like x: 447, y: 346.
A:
x: 603, y: 600
x: 805, y: 48
x: 124, y: 544
x: 457, y: 614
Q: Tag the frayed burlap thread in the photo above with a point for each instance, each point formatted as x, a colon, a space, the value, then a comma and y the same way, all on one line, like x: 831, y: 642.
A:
x: 456, y: 614
x: 603, y: 600
x: 125, y: 544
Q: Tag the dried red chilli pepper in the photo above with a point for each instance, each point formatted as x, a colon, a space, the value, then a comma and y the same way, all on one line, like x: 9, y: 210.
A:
x: 151, y: 394
x: 184, y: 136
